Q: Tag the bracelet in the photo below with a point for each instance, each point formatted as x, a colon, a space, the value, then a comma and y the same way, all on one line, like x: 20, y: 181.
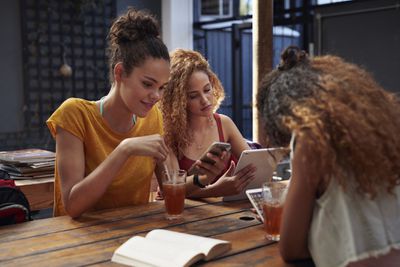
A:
x: 196, y: 181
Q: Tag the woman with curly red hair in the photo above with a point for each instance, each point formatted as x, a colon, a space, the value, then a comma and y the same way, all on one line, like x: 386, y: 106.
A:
x: 190, y: 100
x: 343, y: 203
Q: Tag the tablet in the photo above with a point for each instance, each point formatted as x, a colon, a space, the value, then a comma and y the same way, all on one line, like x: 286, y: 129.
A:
x: 265, y: 160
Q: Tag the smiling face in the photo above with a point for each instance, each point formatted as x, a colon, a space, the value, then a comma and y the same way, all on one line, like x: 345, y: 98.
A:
x: 143, y: 87
x: 200, y: 99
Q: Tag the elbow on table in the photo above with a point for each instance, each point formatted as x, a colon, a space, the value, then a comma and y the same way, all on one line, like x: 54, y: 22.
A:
x: 287, y: 256
x: 291, y: 254
x: 72, y: 212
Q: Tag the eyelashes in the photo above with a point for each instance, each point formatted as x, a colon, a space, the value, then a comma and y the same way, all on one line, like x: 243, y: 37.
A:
x: 205, y: 91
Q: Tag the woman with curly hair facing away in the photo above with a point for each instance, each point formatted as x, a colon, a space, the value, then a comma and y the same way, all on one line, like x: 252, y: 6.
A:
x: 107, y: 150
x: 343, y: 203
x: 192, y: 96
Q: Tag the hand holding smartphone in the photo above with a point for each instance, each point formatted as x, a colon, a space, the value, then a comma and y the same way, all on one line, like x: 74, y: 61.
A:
x: 216, y: 149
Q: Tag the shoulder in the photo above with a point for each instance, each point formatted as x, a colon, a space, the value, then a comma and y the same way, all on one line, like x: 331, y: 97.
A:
x: 228, y: 125
x: 73, y: 115
x: 226, y: 121
x: 73, y: 102
x: 76, y: 105
x: 307, y: 159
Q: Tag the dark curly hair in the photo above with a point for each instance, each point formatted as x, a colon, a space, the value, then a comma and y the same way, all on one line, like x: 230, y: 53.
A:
x: 352, y: 123
x: 133, y: 37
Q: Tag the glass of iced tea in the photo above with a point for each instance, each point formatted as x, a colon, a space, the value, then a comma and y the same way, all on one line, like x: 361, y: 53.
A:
x: 274, y: 194
x: 174, y: 192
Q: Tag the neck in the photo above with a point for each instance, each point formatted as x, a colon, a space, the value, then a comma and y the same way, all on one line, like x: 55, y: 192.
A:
x: 115, y: 112
x: 200, y: 123
x: 202, y: 131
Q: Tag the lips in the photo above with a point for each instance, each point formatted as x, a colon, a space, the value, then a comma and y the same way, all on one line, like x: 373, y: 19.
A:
x: 207, y: 108
x: 148, y: 106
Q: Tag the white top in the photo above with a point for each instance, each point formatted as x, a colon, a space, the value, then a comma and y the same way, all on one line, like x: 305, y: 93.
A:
x: 349, y: 227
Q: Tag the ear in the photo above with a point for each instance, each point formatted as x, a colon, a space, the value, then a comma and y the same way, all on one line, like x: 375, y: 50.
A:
x: 118, y: 71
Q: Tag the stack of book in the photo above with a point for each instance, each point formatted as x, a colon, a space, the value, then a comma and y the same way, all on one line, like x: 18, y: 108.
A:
x: 28, y: 163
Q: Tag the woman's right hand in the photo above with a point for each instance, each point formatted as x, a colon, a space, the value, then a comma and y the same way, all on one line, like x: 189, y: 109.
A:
x: 230, y: 184
x: 213, y: 170
x: 149, y: 145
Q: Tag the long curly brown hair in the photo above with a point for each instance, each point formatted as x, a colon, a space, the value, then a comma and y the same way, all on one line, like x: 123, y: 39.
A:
x: 174, y: 101
x: 352, y: 123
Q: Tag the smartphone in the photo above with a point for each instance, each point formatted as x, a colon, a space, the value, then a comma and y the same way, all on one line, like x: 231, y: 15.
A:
x: 215, y: 148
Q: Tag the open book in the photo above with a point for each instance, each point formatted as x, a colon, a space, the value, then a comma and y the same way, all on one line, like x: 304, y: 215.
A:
x: 168, y: 248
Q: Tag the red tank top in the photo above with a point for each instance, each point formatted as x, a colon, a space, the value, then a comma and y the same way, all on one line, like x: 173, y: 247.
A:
x: 185, y: 163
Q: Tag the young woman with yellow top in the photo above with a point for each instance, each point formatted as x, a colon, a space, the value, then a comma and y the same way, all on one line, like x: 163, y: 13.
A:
x: 105, y: 149
x: 108, y: 150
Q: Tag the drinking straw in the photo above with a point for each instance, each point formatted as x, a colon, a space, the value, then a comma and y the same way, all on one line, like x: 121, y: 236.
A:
x: 167, y: 172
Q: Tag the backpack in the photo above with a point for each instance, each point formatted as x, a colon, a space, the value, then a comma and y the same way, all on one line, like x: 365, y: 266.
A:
x: 14, y: 207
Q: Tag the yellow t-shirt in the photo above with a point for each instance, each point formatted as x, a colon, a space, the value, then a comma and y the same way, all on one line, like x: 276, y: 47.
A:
x: 82, y: 119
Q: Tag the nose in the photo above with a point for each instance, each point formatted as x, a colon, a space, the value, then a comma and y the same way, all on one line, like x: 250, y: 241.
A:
x: 204, y: 99
x: 156, y: 95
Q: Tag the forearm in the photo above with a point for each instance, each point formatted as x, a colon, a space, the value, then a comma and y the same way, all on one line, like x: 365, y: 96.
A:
x: 193, y: 189
x: 202, y: 193
x: 300, y: 200
x: 86, y: 193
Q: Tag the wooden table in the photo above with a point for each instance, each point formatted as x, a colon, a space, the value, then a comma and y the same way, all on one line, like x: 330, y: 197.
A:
x: 39, y: 192
x: 92, y: 239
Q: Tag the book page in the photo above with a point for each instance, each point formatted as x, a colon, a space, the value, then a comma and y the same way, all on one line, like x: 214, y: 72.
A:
x: 208, y: 246
x: 142, y: 252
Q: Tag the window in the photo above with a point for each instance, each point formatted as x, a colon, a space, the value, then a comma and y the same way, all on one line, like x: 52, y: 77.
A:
x: 214, y: 9
x: 323, y: 2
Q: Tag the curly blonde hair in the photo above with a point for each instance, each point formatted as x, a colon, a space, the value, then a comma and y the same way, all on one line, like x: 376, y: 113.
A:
x: 174, y: 101
x: 351, y: 122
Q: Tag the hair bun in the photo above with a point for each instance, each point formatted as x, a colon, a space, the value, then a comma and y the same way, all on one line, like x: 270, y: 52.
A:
x: 134, y: 26
x: 291, y: 56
